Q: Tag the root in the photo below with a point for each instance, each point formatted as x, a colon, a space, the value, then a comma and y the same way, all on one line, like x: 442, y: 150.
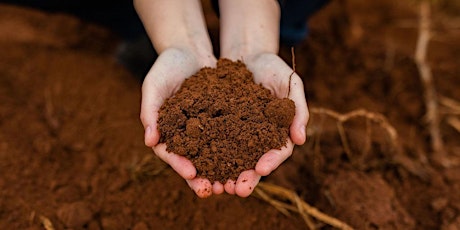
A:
x: 50, y: 113
x: 399, y: 158
x: 454, y: 122
x: 342, y: 118
x: 452, y: 106
x: 293, y: 70
x: 431, y: 101
x: 286, y: 200
x: 46, y: 223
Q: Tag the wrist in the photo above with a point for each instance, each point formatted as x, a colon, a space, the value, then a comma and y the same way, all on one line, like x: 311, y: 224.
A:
x: 200, y: 57
x: 175, y: 24
x: 249, y: 27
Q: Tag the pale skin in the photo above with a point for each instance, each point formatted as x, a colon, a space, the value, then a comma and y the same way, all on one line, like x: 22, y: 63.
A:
x: 249, y: 32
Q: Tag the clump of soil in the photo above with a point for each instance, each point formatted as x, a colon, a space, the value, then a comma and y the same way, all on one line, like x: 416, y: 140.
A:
x: 223, y: 121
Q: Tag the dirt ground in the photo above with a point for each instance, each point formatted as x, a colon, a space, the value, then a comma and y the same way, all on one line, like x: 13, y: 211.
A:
x: 71, y: 143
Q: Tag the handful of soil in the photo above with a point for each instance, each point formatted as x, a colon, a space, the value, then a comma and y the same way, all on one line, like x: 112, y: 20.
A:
x: 223, y: 122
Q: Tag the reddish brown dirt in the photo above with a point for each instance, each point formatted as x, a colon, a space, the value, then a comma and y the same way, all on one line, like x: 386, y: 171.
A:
x: 223, y: 122
x: 71, y: 148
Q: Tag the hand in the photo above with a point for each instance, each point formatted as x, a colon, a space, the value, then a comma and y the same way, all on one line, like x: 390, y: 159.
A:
x: 178, y: 32
x: 273, y: 73
x: 165, y: 77
x: 250, y: 31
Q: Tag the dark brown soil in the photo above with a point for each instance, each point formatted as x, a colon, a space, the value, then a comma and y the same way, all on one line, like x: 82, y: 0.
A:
x: 223, y: 122
x: 72, y: 151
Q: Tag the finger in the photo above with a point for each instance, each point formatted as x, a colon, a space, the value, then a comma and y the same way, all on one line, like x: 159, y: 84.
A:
x: 273, y: 158
x: 230, y: 187
x: 162, y: 80
x: 151, y: 103
x: 202, y: 187
x: 246, y: 183
x: 217, y: 188
x: 180, y: 164
x: 299, y: 123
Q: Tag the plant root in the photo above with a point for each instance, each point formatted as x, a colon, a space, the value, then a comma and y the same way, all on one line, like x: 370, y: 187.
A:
x: 454, y: 122
x: 286, y: 200
x: 399, y: 158
x: 293, y: 70
x: 431, y: 99
x: 46, y: 223
x: 342, y: 118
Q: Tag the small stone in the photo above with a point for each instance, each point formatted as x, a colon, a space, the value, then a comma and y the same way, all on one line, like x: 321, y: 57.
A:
x: 439, y: 204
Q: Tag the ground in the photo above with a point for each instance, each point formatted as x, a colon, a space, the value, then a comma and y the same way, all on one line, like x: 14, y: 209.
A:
x: 71, y: 143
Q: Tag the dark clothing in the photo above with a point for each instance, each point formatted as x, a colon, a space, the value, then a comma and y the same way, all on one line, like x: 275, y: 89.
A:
x: 294, y: 16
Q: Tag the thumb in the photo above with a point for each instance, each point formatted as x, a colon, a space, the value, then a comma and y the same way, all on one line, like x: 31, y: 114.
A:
x: 297, y: 94
x: 151, y: 103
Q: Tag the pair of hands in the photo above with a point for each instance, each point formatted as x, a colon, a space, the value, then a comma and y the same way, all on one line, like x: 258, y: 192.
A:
x: 165, y: 77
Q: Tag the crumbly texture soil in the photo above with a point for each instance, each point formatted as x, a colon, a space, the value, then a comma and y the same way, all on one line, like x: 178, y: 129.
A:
x: 223, y: 121
x: 72, y: 151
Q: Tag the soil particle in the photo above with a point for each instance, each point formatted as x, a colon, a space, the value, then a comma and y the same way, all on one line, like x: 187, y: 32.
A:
x: 193, y: 127
x: 68, y: 193
x: 75, y: 215
x: 272, y: 112
x: 140, y: 226
x: 93, y: 225
x: 439, y: 203
x: 224, y: 122
x: 119, y: 183
x: 455, y: 225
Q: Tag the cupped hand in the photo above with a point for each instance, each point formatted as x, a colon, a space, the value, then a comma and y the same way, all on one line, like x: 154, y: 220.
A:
x: 165, y: 77
x: 274, y: 74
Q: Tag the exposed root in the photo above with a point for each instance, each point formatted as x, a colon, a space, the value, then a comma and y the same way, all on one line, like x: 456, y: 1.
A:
x: 454, y: 122
x: 32, y: 217
x: 50, y: 113
x: 431, y: 100
x: 286, y: 200
x: 452, y: 106
x: 342, y: 118
x: 46, y: 223
x: 399, y: 158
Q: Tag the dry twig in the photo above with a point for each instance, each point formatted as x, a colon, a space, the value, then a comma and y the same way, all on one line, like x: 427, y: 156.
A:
x: 291, y: 201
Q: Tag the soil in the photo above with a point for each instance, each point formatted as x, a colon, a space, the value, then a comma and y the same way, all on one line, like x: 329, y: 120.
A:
x: 223, y: 122
x: 71, y: 143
